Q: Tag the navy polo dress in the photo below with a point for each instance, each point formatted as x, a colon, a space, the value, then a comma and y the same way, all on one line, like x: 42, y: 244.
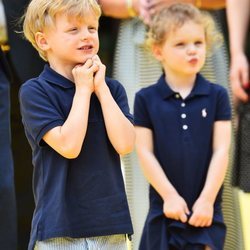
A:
x: 182, y: 131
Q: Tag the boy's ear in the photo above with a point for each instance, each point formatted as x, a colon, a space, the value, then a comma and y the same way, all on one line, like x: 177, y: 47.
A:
x: 157, y: 52
x: 41, y: 41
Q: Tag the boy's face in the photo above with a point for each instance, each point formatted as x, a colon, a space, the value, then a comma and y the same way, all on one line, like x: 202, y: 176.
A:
x: 184, y: 50
x: 72, y: 41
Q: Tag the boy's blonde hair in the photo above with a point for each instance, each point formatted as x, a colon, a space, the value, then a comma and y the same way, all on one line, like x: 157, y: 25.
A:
x: 41, y: 14
x: 176, y: 15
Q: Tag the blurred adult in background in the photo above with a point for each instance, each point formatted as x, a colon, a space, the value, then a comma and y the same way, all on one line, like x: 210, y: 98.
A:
x: 8, y: 224
x: 136, y: 68
x: 238, y: 16
x: 24, y: 63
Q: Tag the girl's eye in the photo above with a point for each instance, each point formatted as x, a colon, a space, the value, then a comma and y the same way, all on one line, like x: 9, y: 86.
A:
x: 180, y: 44
x: 198, y: 42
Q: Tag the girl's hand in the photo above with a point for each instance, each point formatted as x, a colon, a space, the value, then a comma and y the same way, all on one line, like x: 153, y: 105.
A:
x: 202, y: 213
x: 175, y: 207
x: 83, y: 75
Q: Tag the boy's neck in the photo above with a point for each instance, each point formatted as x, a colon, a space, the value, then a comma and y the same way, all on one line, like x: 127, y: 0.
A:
x: 63, y: 70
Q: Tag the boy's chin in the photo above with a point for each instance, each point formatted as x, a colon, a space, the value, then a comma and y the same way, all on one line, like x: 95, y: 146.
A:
x: 86, y: 58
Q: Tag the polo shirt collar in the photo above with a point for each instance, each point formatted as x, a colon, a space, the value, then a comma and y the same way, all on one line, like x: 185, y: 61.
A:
x: 201, y: 87
x: 53, y: 77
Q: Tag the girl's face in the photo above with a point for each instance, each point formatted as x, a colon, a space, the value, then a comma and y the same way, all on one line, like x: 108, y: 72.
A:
x: 183, y: 52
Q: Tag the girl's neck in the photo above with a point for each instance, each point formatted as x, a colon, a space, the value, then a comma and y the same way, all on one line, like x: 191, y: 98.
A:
x: 181, y: 85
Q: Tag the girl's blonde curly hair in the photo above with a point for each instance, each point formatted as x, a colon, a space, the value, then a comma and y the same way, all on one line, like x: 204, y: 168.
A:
x: 176, y: 15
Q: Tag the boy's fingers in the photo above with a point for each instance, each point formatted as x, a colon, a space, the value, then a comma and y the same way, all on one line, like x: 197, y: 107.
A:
x: 88, y: 63
x: 96, y: 58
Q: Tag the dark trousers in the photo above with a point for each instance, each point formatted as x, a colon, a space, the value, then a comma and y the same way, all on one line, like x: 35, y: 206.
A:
x: 8, y: 220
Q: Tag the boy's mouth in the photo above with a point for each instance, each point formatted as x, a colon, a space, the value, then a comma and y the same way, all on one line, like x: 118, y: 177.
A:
x: 86, y: 47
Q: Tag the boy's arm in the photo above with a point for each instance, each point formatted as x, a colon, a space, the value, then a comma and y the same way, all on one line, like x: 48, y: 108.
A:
x: 67, y: 139
x: 174, y: 205
x: 120, y: 130
x: 203, y: 207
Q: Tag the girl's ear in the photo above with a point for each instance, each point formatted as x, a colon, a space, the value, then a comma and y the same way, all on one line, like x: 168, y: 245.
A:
x: 41, y: 41
x: 157, y: 52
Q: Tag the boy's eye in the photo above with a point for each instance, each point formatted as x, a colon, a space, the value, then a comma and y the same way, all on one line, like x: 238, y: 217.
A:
x: 92, y: 28
x: 73, y: 29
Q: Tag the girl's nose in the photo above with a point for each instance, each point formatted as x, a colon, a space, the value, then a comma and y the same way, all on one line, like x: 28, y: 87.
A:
x: 191, y: 49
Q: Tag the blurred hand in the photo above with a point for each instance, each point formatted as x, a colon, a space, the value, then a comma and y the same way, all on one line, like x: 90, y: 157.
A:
x: 142, y: 8
x: 239, y: 77
x: 149, y: 7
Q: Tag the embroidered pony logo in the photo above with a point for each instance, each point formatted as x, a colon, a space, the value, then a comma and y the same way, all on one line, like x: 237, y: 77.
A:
x: 204, y: 113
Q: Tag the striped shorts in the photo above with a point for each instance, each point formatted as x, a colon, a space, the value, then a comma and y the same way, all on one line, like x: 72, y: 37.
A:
x: 110, y: 242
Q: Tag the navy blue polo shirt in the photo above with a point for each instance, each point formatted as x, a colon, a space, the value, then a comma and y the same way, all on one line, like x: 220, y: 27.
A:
x: 81, y: 197
x: 182, y: 132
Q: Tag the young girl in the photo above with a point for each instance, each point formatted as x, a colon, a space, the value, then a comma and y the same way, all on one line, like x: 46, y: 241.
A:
x: 183, y: 136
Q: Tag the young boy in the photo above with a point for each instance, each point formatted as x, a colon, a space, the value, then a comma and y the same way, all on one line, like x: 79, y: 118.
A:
x: 77, y: 123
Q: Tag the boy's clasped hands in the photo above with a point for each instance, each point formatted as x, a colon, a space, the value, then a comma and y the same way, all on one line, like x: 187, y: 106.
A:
x: 90, y: 75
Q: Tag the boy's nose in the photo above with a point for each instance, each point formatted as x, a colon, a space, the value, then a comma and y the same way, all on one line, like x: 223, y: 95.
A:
x: 84, y: 35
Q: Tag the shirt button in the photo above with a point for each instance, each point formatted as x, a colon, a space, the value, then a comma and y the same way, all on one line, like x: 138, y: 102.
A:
x: 185, y: 127
x: 183, y: 116
x: 183, y: 104
x: 177, y: 96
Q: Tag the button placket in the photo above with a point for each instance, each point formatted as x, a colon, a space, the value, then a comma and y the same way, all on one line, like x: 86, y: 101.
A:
x: 184, y: 116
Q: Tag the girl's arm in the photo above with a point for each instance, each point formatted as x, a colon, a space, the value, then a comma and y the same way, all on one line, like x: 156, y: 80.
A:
x: 67, y: 139
x: 174, y: 205
x: 203, y: 207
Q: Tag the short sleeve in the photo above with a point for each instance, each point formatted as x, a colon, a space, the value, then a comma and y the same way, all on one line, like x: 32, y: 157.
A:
x: 141, y: 115
x: 39, y: 115
x: 120, y: 96
x: 223, y: 111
